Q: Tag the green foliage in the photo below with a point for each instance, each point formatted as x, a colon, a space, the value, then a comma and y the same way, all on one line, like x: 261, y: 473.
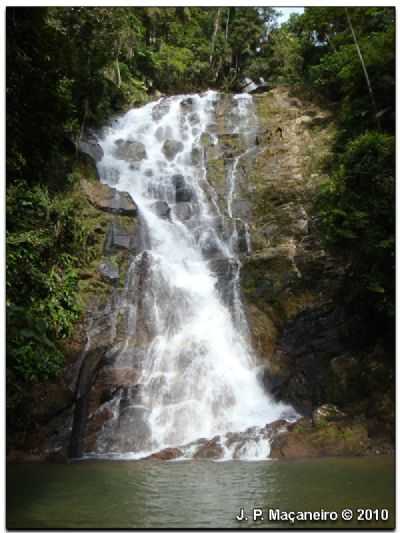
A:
x: 357, y: 209
x: 45, y: 241
x: 356, y: 206
x: 286, y: 60
x: 173, y: 60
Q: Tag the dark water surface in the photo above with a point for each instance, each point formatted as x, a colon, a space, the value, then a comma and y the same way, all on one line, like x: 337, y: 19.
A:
x: 201, y: 494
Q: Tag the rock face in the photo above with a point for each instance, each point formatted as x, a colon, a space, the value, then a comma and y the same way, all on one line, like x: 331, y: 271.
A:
x: 302, y: 439
x: 314, y: 356
x: 90, y: 146
x: 314, y: 353
x: 108, y: 199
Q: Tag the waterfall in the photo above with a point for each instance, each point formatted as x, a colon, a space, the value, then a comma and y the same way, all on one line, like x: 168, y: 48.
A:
x: 187, y: 336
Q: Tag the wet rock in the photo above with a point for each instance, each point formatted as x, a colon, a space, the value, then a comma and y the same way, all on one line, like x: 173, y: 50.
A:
x: 274, y: 381
x: 247, y: 85
x: 160, y: 110
x: 206, y: 140
x: 187, y: 104
x: 171, y: 148
x: 209, y: 244
x: 91, y: 147
x: 98, y: 419
x: 118, y: 238
x: 241, y: 208
x: 118, y: 377
x: 166, y: 455
x: 183, y: 193
x: 194, y: 119
x: 242, y: 241
x: 123, y: 204
x: 132, y: 434
x: 109, y: 272
x: 264, y: 333
x: 226, y: 270
x: 210, y: 449
x: 303, y: 439
x: 161, y: 208
x: 109, y: 175
x: 307, y: 344
x: 130, y: 150
x: 231, y: 145
x: 108, y: 199
x: 159, y: 133
x: 196, y: 156
x: 278, y: 426
x: 183, y: 210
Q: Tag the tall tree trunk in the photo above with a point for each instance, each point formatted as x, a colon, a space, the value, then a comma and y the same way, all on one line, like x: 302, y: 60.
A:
x: 117, y: 69
x: 371, y: 92
x: 83, y: 123
x: 118, y: 72
x: 227, y: 24
x: 330, y: 42
x: 216, y: 28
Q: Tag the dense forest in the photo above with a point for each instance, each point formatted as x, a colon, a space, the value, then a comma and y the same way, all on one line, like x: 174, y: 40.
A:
x: 69, y: 69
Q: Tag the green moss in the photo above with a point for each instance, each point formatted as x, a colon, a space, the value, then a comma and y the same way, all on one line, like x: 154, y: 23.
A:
x: 216, y: 174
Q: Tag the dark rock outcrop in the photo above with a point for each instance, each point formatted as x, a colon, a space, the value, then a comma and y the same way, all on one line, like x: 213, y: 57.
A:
x: 183, y: 193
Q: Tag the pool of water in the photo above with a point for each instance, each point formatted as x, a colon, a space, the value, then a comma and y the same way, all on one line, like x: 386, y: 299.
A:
x: 198, y: 494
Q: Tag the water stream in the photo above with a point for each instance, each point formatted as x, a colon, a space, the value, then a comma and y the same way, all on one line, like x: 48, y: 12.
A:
x: 187, y: 336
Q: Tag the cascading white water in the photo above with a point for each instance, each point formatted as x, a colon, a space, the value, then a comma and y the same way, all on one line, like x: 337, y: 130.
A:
x: 198, y: 374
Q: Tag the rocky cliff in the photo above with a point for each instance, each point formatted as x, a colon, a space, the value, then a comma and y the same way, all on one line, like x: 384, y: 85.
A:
x: 312, y: 353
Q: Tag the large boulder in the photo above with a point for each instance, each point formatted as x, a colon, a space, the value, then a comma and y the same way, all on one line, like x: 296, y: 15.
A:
x: 160, y: 110
x: 109, y: 272
x: 183, y: 210
x: 131, y: 151
x: 303, y: 439
x: 108, y: 199
x: 209, y: 449
x: 119, y: 237
x: 225, y: 269
x: 171, y: 148
x: 161, y: 208
x: 183, y: 193
x: 187, y: 104
x: 167, y: 454
x: 91, y: 147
